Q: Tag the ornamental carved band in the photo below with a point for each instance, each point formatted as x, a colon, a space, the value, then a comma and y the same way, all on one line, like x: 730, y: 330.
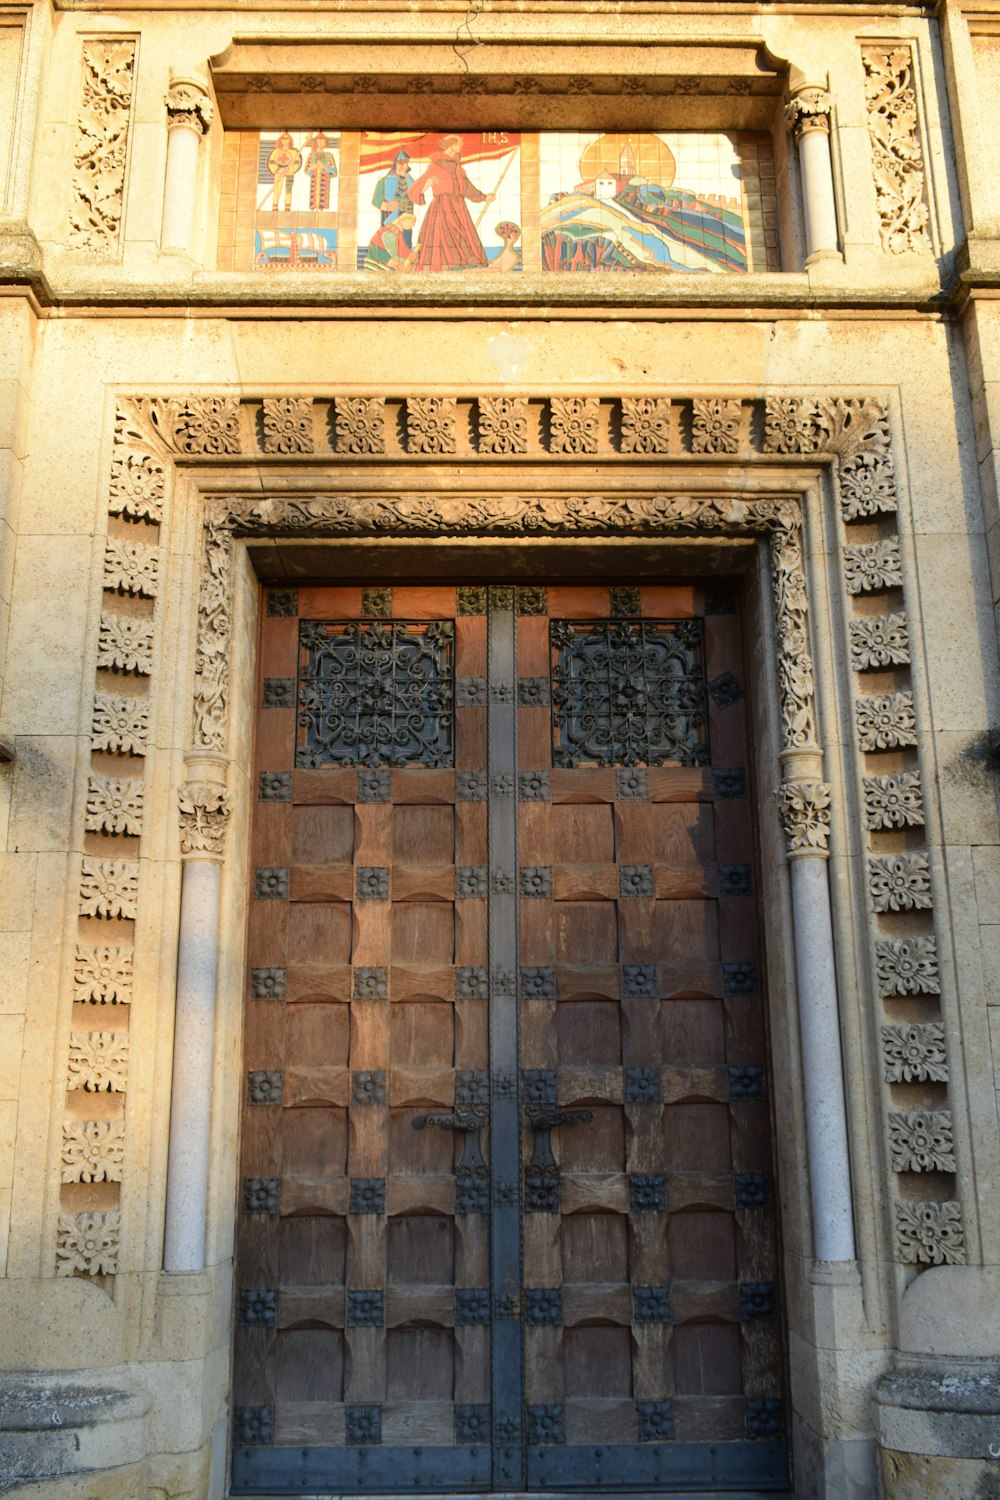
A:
x: 101, y: 150
x: 897, y: 154
x: 805, y: 816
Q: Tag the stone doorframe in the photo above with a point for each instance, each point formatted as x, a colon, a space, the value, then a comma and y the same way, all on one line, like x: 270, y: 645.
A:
x: 778, y: 470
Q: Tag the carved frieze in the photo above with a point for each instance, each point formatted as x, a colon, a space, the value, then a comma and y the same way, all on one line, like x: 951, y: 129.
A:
x: 914, y: 1053
x: 899, y: 882
x: 930, y: 1234
x: 288, y: 425
x: 103, y: 976
x: 93, y: 1150
x: 805, y: 815
x: 897, y: 152
x: 98, y: 1061
x: 855, y: 430
x: 87, y: 1244
x: 109, y: 887
x: 125, y: 644
x: 907, y: 966
x: 879, y: 641
x: 893, y: 801
x: 131, y: 567
x: 195, y: 425
x: 100, y: 152
x: 204, y: 815
x: 114, y: 805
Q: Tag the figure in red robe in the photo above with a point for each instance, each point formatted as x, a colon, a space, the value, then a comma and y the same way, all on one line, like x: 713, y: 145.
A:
x: 448, y: 238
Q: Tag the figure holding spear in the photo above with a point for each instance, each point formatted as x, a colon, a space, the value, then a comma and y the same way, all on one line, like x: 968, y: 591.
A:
x: 449, y: 241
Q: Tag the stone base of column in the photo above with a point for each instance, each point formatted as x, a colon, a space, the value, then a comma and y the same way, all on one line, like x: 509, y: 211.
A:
x: 936, y: 1423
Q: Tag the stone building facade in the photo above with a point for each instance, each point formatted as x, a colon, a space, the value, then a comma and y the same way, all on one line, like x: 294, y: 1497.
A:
x: 703, y: 428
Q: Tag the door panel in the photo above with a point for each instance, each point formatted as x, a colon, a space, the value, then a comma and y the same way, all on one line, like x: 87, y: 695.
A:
x: 506, y: 1210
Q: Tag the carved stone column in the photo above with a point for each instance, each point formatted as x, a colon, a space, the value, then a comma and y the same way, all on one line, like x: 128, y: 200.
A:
x: 808, y: 116
x: 204, y: 814
x: 804, y: 804
x: 189, y: 114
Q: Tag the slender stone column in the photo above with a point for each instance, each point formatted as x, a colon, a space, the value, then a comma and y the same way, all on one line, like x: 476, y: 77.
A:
x: 189, y: 114
x: 204, y: 813
x: 805, y: 813
x: 808, y: 117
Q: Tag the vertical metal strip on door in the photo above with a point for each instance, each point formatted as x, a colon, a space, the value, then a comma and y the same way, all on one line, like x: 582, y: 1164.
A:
x: 508, y: 1448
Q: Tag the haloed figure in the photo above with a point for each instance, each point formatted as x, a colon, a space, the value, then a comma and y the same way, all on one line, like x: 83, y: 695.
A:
x: 448, y: 237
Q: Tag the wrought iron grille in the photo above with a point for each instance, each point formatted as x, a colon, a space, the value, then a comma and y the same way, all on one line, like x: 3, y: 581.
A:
x: 376, y: 693
x: 628, y: 692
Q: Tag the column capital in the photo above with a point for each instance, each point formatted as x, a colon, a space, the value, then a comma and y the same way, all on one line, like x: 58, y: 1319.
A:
x: 804, y: 808
x: 808, y: 109
x: 188, y: 105
x: 204, y: 817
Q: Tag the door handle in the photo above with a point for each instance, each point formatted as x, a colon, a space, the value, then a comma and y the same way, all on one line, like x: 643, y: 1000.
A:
x: 541, y: 1174
x: 472, y: 1175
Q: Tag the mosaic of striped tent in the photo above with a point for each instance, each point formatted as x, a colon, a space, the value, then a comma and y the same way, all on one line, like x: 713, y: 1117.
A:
x: 414, y: 203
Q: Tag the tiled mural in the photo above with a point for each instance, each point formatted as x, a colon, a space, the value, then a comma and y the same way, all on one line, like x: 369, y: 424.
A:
x: 392, y: 202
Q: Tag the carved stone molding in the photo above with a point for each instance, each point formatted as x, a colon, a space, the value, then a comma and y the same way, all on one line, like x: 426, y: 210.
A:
x: 897, y: 154
x: 288, y: 425
x: 120, y: 725
x: 204, y: 813
x: 716, y: 425
x: 101, y: 150
x: 805, y: 816
x: 188, y: 105
x: 430, y: 424
x: 873, y: 567
x: 511, y: 515
x: 808, y: 109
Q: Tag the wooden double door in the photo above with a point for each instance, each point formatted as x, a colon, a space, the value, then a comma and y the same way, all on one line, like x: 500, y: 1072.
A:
x: 506, y: 1216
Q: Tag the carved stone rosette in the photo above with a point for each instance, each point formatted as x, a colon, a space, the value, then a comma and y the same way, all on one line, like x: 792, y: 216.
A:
x: 204, y: 818
x: 808, y: 109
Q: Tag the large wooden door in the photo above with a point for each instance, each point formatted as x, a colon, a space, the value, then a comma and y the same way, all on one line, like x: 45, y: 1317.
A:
x: 506, y: 1214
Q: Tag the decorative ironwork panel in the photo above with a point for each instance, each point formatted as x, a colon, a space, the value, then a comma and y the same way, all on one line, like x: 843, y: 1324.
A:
x: 376, y: 693
x: 628, y: 692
